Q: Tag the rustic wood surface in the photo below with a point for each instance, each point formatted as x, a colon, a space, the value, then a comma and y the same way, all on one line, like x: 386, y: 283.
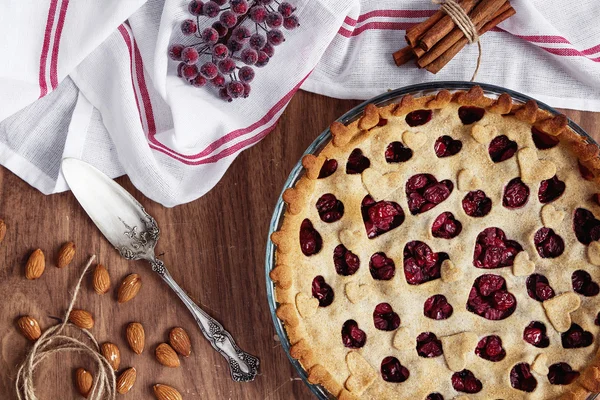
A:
x: 214, y: 247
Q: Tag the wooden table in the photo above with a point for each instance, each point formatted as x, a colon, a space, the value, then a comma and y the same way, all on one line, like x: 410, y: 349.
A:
x: 214, y: 247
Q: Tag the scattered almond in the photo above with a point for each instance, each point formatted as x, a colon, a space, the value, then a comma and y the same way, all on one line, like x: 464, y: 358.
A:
x: 165, y: 392
x: 111, y: 352
x: 36, y: 264
x: 129, y: 288
x: 180, y: 341
x: 81, y: 318
x: 166, y: 355
x: 2, y: 230
x: 126, y: 380
x: 29, y: 327
x: 101, y: 280
x: 65, y: 255
x: 83, y: 382
x: 136, y: 337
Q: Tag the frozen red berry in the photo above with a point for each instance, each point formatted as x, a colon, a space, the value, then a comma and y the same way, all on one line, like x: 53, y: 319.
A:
x: 175, y: 51
x: 209, y: 70
x: 226, y: 66
x: 247, y: 90
x: 224, y: 95
x: 275, y: 37
x: 268, y: 49
x: 241, y: 34
x: 274, y: 19
x: 257, y: 41
x: 291, y: 23
x: 249, y: 56
x: 286, y: 9
x: 263, y: 59
x: 221, y: 29
x: 218, y: 81
x: 258, y: 14
x: 228, y: 18
x: 210, y: 35
x: 239, y: 7
x: 180, y: 69
x: 211, y: 9
x: 198, y: 81
x: 189, y: 27
x: 235, y: 89
x: 195, y: 7
x: 189, y: 71
x: 246, y: 74
x: 234, y: 46
x: 220, y: 51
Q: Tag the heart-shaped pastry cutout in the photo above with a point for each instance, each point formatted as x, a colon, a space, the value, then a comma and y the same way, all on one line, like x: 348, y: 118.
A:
x: 456, y: 349
x: 356, y: 292
x: 379, y: 185
x: 467, y: 181
x: 483, y: 134
x: 540, y: 364
x: 381, y: 216
x: 362, y: 375
x: 593, y: 253
x: 551, y: 217
x: 559, y: 309
x: 350, y: 239
x: 307, y: 306
x: 533, y: 169
x: 403, y: 340
x: 414, y: 140
x: 450, y: 272
x: 522, y: 265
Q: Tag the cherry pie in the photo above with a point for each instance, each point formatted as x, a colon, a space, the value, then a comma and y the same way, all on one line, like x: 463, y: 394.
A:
x: 445, y: 247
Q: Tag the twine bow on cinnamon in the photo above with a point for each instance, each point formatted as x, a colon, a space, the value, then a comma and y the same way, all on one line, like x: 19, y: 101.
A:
x: 56, y: 340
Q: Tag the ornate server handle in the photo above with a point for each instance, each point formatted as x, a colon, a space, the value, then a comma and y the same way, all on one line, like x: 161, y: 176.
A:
x: 243, y: 366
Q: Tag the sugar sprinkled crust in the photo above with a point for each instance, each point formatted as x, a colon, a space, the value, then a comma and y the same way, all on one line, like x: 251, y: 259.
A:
x: 316, y: 335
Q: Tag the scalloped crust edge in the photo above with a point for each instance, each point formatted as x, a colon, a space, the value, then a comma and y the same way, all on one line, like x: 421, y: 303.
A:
x: 347, y: 136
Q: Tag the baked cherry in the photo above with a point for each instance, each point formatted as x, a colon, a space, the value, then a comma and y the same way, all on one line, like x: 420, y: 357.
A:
x: 542, y: 140
x: 437, y: 307
x: 446, y: 226
x: 434, y: 396
x: 381, y: 267
x: 346, y: 262
x: 490, y: 348
x: 466, y: 382
x: 535, y: 334
x: 396, y: 152
x: 310, y: 240
x: 428, y: 345
x: 328, y: 168
x: 357, y: 162
x: 550, y: 190
x: 548, y: 244
x: 381, y: 216
x: 476, y: 204
x: 418, y: 117
x: 583, y: 283
x: 597, y: 320
x: 393, y: 371
x: 494, y: 250
x: 576, y: 337
x: 516, y: 194
x: 586, y: 226
x: 561, y: 374
x: 330, y: 209
x: 446, y: 146
x: 596, y: 198
x: 585, y: 172
x: 521, y: 378
x: 424, y: 192
x: 502, y: 148
x: 352, y: 336
x: 421, y: 264
x: 470, y: 114
x: 382, y: 122
x: 490, y: 299
x: 322, y: 291
x: 384, y: 317
x: 538, y: 287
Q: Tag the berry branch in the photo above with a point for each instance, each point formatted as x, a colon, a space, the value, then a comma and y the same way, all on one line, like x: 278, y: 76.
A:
x: 229, y: 43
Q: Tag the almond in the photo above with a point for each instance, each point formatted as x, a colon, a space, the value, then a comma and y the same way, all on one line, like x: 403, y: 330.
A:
x: 2, y: 230
x: 36, y: 264
x: 129, y: 288
x: 65, y: 255
x: 166, y: 356
x: 126, y: 380
x: 101, y: 280
x: 180, y: 341
x: 29, y: 327
x: 165, y: 392
x: 83, y: 382
x: 136, y: 337
x: 111, y: 352
x: 81, y: 318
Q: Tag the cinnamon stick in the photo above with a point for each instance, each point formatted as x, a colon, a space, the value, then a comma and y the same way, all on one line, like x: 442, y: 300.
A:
x: 453, y: 37
x: 445, y: 58
x: 414, y: 33
x: 403, y: 55
x: 444, y: 26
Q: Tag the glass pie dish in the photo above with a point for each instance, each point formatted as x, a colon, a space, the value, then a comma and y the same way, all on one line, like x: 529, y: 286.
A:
x: 323, y: 139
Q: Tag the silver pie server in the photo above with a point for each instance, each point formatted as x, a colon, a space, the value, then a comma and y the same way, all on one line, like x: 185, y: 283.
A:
x: 134, y: 233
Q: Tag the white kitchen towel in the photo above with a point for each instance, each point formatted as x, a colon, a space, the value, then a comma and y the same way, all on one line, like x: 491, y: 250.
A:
x: 92, y: 80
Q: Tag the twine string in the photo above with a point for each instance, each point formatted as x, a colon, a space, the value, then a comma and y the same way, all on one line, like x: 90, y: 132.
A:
x: 464, y: 23
x: 56, y: 340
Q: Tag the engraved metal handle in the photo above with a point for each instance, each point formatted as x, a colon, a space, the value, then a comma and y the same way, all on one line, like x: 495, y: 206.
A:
x: 243, y: 366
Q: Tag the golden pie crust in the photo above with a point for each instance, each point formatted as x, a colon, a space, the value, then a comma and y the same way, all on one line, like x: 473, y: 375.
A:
x: 315, y: 332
